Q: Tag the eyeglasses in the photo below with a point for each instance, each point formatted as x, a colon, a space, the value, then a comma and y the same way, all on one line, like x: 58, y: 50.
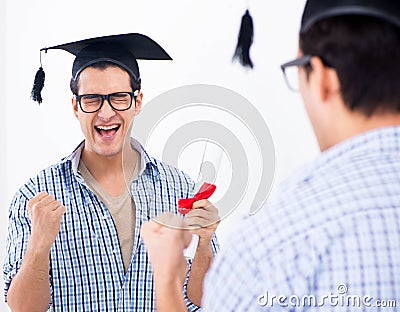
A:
x: 119, y: 101
x: 291, y: 73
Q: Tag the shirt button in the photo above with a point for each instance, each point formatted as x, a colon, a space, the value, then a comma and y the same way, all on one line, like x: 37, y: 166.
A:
x: 104, y: 217
x: 115, y: 251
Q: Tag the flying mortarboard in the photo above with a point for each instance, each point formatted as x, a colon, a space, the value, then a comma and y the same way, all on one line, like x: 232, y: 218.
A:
x: 122, y: 50
x: 316, y: 10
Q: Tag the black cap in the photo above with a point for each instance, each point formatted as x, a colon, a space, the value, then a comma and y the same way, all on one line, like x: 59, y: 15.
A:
x: 316, y: 10
x: 123, y: 50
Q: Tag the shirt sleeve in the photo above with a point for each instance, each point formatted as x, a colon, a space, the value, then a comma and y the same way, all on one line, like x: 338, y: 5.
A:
x: 262, y: 267
x: 190, y: 184
x: 231, y: 280
x: 19, y: 228
x: 190, y: 305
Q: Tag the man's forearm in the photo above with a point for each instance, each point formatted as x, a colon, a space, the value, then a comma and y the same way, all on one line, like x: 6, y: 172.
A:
x: 30, y: 288
x: 201, y: 263
x: 169, y: 294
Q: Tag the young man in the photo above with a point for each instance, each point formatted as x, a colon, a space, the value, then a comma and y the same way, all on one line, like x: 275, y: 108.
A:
x: 74, y: 241
x: 330, y: 239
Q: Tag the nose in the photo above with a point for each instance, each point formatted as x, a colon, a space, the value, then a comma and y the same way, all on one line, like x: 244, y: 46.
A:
x: 106, y: 111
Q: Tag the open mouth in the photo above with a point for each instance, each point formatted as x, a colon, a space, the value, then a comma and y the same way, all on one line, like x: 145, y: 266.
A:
x: 107, y: 131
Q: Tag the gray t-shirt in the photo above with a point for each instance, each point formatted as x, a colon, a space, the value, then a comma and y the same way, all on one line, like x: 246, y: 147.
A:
x: 122, y: 209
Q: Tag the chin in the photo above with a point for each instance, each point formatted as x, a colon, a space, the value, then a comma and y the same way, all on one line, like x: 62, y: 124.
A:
x: 108, y: 152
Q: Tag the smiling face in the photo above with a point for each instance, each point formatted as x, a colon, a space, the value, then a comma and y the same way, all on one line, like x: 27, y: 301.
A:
x: 106, y: 129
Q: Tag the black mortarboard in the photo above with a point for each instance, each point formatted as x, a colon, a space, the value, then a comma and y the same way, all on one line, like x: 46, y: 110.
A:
x: 316, y: 10
x: 122, y: 50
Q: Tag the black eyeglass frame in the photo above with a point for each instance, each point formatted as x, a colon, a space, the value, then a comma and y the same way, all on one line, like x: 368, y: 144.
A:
x: 104, y: 97
x: 301, y: 61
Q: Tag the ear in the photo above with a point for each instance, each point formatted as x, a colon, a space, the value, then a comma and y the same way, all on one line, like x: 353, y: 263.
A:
x: 74, y: 106
x: 138, y: 105
x: 317, y: 80
x: 324, y: 80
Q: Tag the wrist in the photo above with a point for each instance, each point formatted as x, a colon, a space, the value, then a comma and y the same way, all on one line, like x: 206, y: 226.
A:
x: 38, y: 251
x: 204, y: 244
x: 168, y: 279
x: 169, y: 295
x: 204, y: 253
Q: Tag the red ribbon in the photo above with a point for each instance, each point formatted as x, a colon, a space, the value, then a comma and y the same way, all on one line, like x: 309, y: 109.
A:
x: 185, y: 204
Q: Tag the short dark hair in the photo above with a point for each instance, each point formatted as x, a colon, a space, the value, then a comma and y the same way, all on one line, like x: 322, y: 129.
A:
x: 365, y: 53
x: 136, y: 85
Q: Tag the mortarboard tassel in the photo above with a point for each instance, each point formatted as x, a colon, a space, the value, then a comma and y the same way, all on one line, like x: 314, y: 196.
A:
x: 39, y: 82
x: 245, y: 39
x: 38, y: 85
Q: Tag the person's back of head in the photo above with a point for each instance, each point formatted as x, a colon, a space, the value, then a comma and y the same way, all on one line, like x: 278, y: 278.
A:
x: 365, y: 52
x: 349, y: 59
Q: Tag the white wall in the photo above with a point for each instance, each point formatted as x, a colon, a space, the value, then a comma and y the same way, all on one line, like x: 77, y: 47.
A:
x: 199, y: 35
x: 3, y: 137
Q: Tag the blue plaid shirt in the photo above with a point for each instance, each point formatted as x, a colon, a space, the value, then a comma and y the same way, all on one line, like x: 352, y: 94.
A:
x: 332, y: 230
x: 86, y: 267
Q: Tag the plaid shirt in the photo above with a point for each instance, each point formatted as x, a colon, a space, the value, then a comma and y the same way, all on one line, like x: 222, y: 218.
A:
x: 86, y: 267
x: 333, y: 229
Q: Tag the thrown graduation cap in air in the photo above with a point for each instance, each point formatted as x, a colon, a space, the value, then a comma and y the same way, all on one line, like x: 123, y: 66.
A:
x: 122, y: 50
x: 316, y: 10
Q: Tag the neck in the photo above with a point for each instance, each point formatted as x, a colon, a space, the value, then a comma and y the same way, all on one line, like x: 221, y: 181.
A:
x: 354, y: 123
x: 104, y: 167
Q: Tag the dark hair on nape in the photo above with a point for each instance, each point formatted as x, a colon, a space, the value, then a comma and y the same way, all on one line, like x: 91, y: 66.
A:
x: 365, y: 52
x: 73, y: 84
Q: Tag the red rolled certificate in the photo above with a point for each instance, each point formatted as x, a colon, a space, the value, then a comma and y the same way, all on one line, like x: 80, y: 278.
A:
x: 205, y: 191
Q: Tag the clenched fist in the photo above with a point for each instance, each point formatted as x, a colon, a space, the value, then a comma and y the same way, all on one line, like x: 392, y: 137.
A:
x: 165, y: 240
x: 46, y: 214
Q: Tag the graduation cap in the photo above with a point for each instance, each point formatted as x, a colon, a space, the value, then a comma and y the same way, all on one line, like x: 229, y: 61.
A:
x: 316, y: 10
x: 122, y: 50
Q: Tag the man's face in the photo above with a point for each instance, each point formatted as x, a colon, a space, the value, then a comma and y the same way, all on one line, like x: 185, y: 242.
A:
x: 105, y: 130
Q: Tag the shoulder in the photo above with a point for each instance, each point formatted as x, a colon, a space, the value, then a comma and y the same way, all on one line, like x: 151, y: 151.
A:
x: 174, y: 177
x: 47, y: 179
x: 171, y: 172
